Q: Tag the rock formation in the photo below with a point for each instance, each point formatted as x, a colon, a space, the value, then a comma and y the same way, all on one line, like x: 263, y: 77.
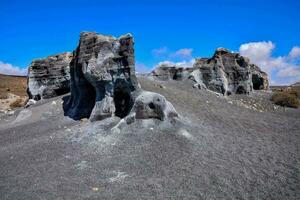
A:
x: 297, y: 84
x: 49, y: 77
x: 225, y: 73
x: 170, y: 72
x: 103, y: 82
x: 260, y: 79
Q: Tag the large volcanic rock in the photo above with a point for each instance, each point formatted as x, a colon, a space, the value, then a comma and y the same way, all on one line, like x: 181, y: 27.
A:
x: 49, y: 77
x: 225, y: 72
x: 228, y: 73
x: 103, y: 82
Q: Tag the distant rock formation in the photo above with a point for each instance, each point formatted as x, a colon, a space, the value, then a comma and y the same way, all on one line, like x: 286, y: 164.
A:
x: 225, y: 73
x: 170, y: 72
x: 49, y: 77
x: 297, y: 84
x: 104, y: 84
x: 260, y: 80
x: 228, y: 73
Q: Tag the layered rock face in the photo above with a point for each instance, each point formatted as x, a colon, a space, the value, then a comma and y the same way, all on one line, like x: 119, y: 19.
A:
x: 49, y: 77
x: 224, y: 73
x: 103, y: 81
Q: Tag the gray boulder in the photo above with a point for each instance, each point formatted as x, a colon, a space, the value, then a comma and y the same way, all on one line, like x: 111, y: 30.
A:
x: 153, y: 105
x: 49, y: 77
x: 104, y: 84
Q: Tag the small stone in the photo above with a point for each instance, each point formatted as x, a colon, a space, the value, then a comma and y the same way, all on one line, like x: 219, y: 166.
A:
x: 84, y: 120
x: 30, y: 103
x: 10, y: 112
x: 161, y: 86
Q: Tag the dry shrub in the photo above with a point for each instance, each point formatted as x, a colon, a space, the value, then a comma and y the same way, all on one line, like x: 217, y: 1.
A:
x: 289, y: 97
x: 3, y: 96
x: 17, y: 103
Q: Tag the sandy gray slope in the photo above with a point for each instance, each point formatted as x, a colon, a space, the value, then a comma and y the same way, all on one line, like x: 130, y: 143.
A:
x: 219, y: 148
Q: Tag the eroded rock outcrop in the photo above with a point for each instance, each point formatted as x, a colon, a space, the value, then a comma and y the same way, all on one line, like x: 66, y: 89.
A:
x: 103, y: 82
x: 49, y: 77
x: 228, y: 73
x: 225, y: 72
x: 260, y: 80
x: 170, y: 72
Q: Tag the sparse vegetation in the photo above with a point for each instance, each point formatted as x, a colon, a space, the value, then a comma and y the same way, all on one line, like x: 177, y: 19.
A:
x: 289, y: 97
x: 13, y: 84
x: 17, y: 103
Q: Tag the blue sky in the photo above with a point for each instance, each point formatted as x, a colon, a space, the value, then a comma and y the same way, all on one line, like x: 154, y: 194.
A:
x: 173, y: 31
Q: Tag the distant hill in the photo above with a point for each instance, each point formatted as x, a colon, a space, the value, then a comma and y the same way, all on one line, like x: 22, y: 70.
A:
x: 296, y: 84
x: 13, y: 84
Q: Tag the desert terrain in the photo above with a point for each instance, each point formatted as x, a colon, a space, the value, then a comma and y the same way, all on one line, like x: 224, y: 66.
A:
x: 12, y: 92
x: 234, y: 147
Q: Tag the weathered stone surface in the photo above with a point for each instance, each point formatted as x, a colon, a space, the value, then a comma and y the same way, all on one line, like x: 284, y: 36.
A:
x: 260, y: 79
x: 49, y: 77
x: 170, y: 72
x: 103, y: 81
x: 225, y: 72
x: 153, y: 105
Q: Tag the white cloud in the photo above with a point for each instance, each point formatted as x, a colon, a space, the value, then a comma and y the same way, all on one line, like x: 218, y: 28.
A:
x: 289, y: 72
x: 281, y: 69
x: 184, y: 64
x: 295, y: 52
x: 183, y: 53
x: 9, y: 69
x: 141, y: 68
x: 179, y: 58
x: 259, y: 53
x: 163, y: 51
